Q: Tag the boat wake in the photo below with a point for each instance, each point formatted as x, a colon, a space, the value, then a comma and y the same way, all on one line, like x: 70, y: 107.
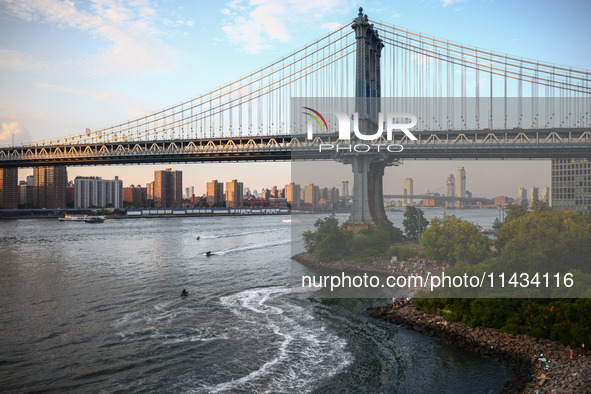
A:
x: 230, y: 235
x: 299, y: 349
x: 162, y: 323
x: 249, y: 247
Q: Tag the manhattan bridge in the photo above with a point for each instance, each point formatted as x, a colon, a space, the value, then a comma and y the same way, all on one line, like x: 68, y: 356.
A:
x: 470, y: 103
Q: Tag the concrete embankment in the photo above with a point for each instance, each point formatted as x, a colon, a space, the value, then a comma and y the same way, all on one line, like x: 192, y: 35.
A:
x: 521, y: 352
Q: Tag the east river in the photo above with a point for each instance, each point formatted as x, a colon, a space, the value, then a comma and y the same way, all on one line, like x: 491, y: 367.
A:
x: 96, y: 307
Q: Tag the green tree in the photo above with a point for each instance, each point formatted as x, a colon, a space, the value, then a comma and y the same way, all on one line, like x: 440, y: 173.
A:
x: 497, y: 224
x: 414, y: 223
x: 546, y: 239
x: 455, y: 240
x: 514, y: 211
x: 376, y: 240
x: 328, y: 241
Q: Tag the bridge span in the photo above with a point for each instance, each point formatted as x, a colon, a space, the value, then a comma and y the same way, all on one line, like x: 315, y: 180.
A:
x: 477, y: 144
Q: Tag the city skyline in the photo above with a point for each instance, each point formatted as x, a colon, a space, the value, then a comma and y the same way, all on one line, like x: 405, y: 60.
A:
x: 475, y: 185
x: 96, y: 77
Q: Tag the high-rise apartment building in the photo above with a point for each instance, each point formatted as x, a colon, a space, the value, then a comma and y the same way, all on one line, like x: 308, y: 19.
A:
x: 265, y: 194
x: 312, y: 195
x: 9, y: 188
x: 521, y: 197
x: 26, y: 192
x: 461, y: 182
x: 545, y: 196
x: 292, y: 194
x: 274, y: 192
x: 135, y: 194
x: 150, y: 190
x: 235, y: 194
x: 451, y: 190
x: 91, y: 192
x: 345, y: 189
x: 407, y: 190
x: 451, y: 186
x: 571, y: 184
x: 532, y: 195
x: 215, y: 193
x: 333, y: 194
x: 49, y: 188
x: 168, y: 188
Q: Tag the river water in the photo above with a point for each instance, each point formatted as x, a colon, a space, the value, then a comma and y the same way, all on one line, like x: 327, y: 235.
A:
x: 96, y: 307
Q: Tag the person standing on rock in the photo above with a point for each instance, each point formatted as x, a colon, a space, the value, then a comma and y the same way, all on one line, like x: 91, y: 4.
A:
x: 571, y: 352
x: 583, y: 351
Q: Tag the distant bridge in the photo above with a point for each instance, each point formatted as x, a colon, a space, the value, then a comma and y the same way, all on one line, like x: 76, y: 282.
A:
x: 440, y: 198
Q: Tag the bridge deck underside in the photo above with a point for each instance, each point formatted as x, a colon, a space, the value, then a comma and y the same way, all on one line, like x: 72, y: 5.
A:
x: 503, y: 144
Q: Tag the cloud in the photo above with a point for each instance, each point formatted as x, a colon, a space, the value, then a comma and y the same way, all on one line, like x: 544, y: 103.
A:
x: 16, y: 60
x: 256, y: 24
x: 450, y: 2
x: 128, y: 27
x: 13, y: 131
x: 331, y: 26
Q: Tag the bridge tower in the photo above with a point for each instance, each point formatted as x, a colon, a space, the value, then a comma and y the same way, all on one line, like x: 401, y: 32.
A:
x: 368, y: 168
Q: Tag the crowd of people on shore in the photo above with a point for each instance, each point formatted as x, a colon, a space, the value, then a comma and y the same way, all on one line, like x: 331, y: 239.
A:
x: 583, y: 352
x: 414, y: 266
x: 397, y: 302
x: 411, y: 266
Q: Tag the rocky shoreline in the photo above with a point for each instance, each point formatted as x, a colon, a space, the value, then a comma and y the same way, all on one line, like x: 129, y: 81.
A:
x: 520, y: 352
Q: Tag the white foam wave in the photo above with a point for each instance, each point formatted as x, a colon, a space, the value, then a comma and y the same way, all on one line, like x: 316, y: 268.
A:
x: 230, y: 235
x: 251, y: 247
x: 305, y: 351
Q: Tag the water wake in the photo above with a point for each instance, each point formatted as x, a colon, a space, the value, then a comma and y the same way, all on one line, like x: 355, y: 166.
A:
x: 301, y: 351
x: 230, y: 235
x: 250, y: 247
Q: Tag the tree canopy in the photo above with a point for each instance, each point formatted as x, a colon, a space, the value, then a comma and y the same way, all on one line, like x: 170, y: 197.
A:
x: 455, y: 240
x: 414, y: 223
x: 328, y: 241
x: 546, y: 239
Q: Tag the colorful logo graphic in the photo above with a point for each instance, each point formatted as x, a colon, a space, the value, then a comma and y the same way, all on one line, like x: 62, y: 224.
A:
x: 315, y: 118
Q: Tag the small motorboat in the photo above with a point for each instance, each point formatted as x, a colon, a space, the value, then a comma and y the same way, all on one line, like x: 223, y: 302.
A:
x: 208, y: 253
x: 198, y: 238
x: 184, y: 293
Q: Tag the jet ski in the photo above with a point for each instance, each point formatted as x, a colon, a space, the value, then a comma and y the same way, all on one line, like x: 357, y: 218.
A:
x: 208, y: 253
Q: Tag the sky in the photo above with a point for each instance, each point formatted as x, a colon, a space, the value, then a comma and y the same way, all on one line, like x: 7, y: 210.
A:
x: 69, y: 65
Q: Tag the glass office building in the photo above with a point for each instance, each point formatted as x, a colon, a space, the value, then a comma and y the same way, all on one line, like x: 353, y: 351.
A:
x: 571, y: 184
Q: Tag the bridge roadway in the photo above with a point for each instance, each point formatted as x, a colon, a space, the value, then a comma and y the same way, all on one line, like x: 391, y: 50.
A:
x: 481, y: 144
